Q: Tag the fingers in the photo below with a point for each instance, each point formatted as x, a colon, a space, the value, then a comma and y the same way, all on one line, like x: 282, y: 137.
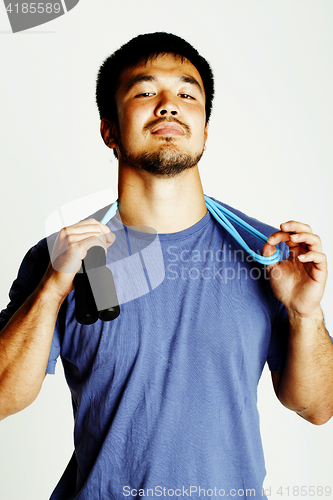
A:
x: 296, y: 227
x: 73, y: 242
x: 84, y: 241
x: 70, y: 247
x: 295, y: 234
x: 316, y: 258
x: 70, y: 238
x: 295, y: 239
x: 315, y: 265
x: 268, y: 250
x: 305, y: 247
x: 86, y: 226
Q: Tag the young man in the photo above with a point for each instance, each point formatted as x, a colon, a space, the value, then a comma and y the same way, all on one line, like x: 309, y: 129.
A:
x: 164, y: 396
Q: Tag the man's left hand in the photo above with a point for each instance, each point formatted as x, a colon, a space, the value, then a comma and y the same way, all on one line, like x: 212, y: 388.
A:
x: 299, y: 281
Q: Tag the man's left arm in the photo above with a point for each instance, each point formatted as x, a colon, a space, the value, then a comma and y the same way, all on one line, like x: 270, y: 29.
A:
x: 305, y: 384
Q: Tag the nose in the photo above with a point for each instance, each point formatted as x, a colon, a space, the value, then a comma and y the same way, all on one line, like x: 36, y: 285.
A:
x: 167, y: 106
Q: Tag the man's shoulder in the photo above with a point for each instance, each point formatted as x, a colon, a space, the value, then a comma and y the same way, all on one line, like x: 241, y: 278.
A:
x: 250, y: 238
x: 99, y: 214
x: 263, y: 227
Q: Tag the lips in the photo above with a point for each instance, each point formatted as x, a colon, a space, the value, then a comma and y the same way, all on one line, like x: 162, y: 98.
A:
x: 166, y: 128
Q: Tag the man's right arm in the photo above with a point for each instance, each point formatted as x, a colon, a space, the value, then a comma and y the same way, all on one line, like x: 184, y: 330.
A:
x: 25, y: 344
x: 25, y: 341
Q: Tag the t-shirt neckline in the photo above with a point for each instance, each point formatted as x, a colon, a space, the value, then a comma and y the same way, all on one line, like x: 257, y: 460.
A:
x: 185, y: 233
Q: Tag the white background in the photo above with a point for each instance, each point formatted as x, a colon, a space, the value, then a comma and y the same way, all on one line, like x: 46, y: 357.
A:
x: 269, y: 154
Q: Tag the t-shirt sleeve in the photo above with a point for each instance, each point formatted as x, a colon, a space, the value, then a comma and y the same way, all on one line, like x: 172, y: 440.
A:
x: 29, y: 276
x: 280, y: 330
x: 279, y: 340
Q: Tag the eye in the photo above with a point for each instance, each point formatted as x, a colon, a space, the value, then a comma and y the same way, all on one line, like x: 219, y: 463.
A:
x: 186, y: 96
x: 145, y: 94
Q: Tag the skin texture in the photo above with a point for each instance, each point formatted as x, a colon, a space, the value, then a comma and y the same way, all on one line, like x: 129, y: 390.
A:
x: 306, y: 384
x: 26, y: 340
x: 161, y: 113
x: 151, y: 96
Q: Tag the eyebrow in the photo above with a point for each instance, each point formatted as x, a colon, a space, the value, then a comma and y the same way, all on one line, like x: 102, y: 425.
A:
x: 150, y: 78
x: 191, y: 80
x: 138, y: 78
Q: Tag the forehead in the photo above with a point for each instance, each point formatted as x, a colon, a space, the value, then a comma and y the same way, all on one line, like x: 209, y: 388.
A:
x: 162, y: 66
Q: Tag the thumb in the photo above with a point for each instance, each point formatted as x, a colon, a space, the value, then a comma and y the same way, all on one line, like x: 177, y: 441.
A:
x: 267, y: 251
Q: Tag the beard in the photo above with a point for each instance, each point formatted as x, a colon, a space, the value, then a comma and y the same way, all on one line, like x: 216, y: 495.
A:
x: 167, y: 161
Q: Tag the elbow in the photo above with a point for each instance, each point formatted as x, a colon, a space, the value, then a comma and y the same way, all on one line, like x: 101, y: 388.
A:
x: 316, y: 414
x: 315, y: 417
x: 12, y: 402
x: 12, y: 407
x: 8, y: 408
x: 17, y: 394
x: 320, y: 421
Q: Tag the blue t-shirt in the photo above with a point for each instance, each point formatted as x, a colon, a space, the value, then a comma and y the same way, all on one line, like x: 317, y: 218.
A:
x: 165, y: 396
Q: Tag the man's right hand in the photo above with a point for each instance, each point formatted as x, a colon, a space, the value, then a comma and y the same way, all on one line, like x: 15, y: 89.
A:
x: 25, y: 341
x: 70, y: 248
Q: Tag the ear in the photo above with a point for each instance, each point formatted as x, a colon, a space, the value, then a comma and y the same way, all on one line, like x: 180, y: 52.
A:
x: 108, y: 134
x: 205, y: 135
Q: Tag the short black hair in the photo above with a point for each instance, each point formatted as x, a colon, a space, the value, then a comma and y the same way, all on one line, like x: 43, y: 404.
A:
x: 142, y: 48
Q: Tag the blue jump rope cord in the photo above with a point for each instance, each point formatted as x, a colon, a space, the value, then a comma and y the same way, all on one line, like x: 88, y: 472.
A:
x: 222, y: 214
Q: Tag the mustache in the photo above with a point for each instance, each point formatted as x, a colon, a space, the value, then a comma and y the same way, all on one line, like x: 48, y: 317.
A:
x: 152, y: 124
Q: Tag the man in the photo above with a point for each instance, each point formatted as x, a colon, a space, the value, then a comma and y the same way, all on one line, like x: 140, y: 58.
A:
x: 164, y: 396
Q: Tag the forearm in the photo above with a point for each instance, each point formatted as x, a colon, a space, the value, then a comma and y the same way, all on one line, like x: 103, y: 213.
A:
x: 26, y: 340
x: 24, y: 349
x: 306, y: 384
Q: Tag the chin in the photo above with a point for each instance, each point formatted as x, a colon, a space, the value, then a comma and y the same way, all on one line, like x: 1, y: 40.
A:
x: 167, y: 160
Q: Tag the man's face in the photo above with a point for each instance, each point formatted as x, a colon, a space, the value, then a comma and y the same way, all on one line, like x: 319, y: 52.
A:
x: 161, y: 116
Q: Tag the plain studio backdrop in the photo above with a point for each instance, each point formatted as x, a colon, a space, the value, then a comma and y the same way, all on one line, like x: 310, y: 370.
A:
x: 269, y: 154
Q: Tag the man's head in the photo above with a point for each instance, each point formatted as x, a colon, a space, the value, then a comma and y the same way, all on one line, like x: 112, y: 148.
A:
x: 176, y: 72
x: 140, y: 49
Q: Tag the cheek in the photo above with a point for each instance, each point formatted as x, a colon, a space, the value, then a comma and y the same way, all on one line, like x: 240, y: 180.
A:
x: 199, y: 130
x: 132, y: 119
x: 131, y: 124
x: 197, y: 119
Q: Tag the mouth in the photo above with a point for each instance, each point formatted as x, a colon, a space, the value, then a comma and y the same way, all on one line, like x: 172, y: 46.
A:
x: 168, y: 129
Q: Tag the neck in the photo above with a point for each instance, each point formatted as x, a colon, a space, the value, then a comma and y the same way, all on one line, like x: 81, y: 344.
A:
x: 166, y: 204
